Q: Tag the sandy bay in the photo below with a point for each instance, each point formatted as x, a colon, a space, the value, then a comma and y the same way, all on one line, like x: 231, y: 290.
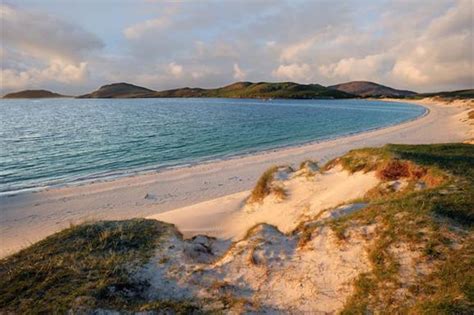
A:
x: 29, y: 217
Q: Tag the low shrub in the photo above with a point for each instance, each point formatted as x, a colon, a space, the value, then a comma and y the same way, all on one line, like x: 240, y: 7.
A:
x: 393, y: 170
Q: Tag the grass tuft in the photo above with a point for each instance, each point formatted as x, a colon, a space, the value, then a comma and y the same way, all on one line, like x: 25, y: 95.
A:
x: 263, y: 186
x: 279, y: 192
x: 85, y: 266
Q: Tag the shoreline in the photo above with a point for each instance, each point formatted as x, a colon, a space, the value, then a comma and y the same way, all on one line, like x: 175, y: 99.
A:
x: 149, y: 170
x: 29, y: 217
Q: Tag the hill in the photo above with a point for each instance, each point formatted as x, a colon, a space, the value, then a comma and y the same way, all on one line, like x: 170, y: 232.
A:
x: 370, y: 89
x: 33, y: 94
x: 235, y: 90
x: 119, y: 90
x: 288, y: 90
x: 450, y: 94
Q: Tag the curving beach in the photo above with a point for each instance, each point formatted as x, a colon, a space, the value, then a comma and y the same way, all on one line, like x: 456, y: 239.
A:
x: 199, y: 198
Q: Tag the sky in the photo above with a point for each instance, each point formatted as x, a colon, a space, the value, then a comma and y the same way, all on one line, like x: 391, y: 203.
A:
x: 73, y: 47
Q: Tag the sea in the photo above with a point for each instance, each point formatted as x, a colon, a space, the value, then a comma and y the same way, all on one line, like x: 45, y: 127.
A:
x: 54, y: 142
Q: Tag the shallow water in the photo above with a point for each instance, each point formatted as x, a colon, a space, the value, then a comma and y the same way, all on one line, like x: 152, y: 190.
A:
x: 56, y: 141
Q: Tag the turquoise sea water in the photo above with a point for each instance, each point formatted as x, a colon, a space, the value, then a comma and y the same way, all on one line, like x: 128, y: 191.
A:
x: 56, y: 141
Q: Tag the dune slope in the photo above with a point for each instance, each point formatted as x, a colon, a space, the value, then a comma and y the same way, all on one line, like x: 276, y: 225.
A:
x: 404, y: 245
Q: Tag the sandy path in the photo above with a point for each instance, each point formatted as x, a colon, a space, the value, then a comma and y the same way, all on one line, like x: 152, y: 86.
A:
x: 29, y: 217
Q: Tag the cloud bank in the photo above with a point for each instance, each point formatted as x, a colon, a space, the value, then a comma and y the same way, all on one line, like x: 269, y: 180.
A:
x: 419, y: 45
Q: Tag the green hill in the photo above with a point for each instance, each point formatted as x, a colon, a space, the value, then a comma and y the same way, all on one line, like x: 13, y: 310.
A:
x: 33, y: 94
x: 370, y: 89
x: 119, y: 90
x: 260, y: 90
x: 235, y: 90
x: 451, y: 94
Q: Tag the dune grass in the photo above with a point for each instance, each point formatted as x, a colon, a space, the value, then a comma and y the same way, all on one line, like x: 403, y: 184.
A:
x: 83, y: 267
x: 91, y: 266
x: 437, y: 222
x: 310, y: 163
x: 470, y: 115
x: 263, y: 186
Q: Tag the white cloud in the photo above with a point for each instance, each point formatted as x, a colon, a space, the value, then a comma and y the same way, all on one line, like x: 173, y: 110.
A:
x: 292, y: 52
x: 161, y: 23
x: 57, y: 71
x: 364, y: 68
x: 39, y: 50
x: 294, y: 72
x: 238, y: 73
x: 137, y: 30
x: 43, y: 36
x: 175, y: 69
x: 424, y: 46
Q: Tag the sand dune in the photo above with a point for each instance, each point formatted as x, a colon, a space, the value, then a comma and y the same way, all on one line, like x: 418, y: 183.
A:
x: 230, y: 217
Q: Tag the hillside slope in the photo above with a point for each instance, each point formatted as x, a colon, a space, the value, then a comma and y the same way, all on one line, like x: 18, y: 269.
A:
x: 463, y: 94
x: 370, y: 89
x: 33, y: 94
x: 119, y: 90
x: 236, y: 90
x: 260, y: 90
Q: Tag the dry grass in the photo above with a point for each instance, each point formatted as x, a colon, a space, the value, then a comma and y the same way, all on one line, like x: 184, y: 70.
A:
x: 423, y: 220
x: 365, y: 160
x: 279, y: 192
x: 393, y: 170
x: 263, y: 186
x: 306, y: 234
x: 470, y: 115
x: 87, y: 266
x: 310, y: 163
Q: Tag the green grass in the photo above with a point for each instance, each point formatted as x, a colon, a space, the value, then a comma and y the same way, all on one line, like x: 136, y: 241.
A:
x: 424, y: 220
x: 86, y: 266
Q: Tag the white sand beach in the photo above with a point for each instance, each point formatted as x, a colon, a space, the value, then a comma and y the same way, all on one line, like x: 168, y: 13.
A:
x: 205, y: 198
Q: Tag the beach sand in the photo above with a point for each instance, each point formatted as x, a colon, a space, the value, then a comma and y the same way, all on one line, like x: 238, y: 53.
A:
x: 201, y: 199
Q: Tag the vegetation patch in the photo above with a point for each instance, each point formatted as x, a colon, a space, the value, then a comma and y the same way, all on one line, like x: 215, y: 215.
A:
x: 470, y: 115
x: 263, y: 187
x: 88, y: 266
x: 436, y: 220
x: 365, y: 160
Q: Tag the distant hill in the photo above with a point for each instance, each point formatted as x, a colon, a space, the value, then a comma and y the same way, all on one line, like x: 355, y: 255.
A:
x: 236, y: 90
x: 260, y: 90
x: 119, y: 90
x: 33, y: 94
x: 450, y: 94
x: 370, y: 89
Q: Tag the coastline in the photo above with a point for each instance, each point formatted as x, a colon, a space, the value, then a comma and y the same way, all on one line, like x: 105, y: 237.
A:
x: 153, y: 169
x: 28, y: 217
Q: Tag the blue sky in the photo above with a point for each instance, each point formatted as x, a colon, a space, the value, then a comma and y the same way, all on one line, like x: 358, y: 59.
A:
x: 75, y: 46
